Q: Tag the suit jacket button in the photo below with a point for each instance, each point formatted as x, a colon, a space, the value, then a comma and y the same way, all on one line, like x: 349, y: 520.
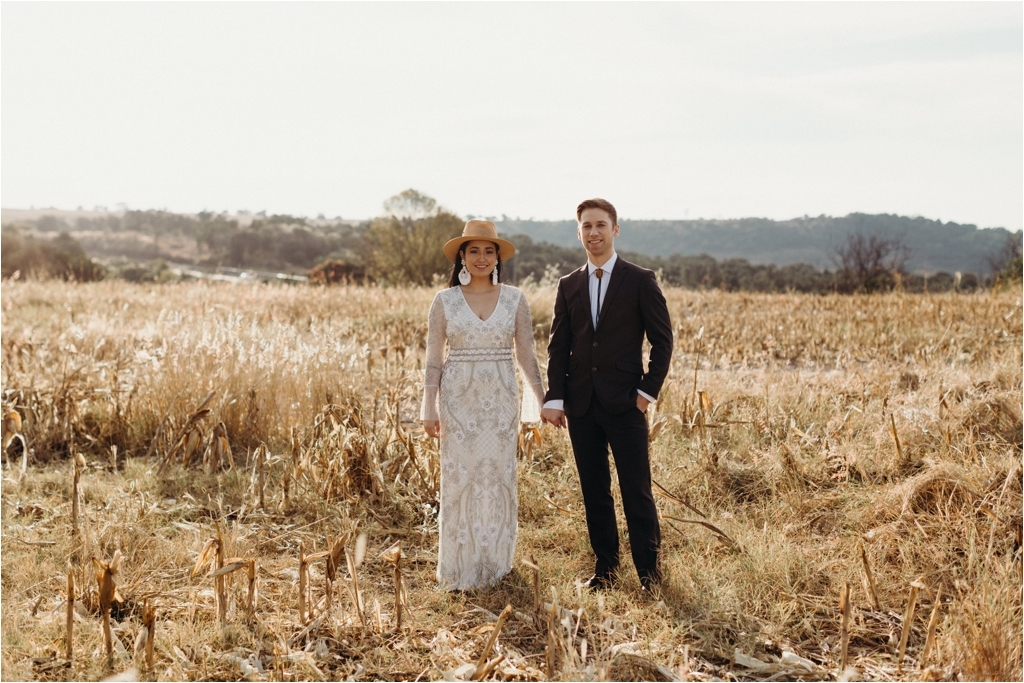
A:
x: 594, y: 369
x: 595, y: 343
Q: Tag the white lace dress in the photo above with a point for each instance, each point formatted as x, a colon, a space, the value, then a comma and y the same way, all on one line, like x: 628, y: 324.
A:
x: 480, y: 414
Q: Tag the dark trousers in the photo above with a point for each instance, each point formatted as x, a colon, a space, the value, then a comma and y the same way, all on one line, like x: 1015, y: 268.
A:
x: 626, y: 433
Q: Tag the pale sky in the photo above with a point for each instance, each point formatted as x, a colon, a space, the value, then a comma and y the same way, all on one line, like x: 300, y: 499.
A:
x: 669, y: 110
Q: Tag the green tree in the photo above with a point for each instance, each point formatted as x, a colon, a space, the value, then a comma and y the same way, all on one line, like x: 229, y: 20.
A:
x: 404, y: 245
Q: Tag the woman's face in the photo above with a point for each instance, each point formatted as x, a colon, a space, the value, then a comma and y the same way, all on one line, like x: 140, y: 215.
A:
x: 480, y: 257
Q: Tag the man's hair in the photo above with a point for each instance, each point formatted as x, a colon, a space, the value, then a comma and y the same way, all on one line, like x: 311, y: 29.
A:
x: 602, y: 204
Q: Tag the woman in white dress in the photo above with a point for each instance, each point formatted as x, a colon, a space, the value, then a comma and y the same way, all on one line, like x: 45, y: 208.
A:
x: 483, y: 324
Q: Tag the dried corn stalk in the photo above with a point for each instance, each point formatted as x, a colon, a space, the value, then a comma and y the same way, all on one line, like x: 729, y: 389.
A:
x: 529, y: 438
x: 535, y: 569
x: 12, y: 426
x: 193, y: 421
x: 149, y: 625
x: 303, y: 581
x: 483, y: 667
x: 696, y: 363
x: 896, y: 438
x: 220, y: 450
x: 332, y: 558
x: 12, y: 431
x: 659, y: 425
x: 106, y: 575
x: 701, y: 420
x: 286, y: 481
x: 394, y: 556
x: 69, y: 649
x: 190, y: 444
x: 869, y: 577
x: 353, y: 564
x: 932, y: 623
x: 399, y: 589
x: 262, y: 456
x: 76, y: 498
x: 213, y: 554
x: 232, y: 565
x: 250, y: 571
x: 844, y: 628
x: 334, y: 561
x: 908, y: 620
x: 551, y: 651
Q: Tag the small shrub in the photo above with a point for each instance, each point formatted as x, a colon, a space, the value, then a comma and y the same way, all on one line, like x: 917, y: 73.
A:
x: 61, y: 258
x: 335, y: 272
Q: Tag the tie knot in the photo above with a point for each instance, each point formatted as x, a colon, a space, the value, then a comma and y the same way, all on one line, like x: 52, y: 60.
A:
x: 599, y: 273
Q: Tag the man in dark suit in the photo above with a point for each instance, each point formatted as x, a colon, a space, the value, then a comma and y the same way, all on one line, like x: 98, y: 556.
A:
x: 596, y: 379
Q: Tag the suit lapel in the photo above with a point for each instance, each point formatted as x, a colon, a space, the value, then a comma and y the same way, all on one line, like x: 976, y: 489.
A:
x: 583, y: 280
x: 619, y: 273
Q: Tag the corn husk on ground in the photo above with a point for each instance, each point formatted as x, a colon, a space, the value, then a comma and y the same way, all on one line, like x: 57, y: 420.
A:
x: 822, y: 464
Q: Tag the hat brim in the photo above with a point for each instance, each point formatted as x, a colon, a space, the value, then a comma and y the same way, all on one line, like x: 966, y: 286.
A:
x: 505, y: 248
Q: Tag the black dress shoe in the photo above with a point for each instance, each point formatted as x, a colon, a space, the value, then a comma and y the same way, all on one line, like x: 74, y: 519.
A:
x: 598, y: 582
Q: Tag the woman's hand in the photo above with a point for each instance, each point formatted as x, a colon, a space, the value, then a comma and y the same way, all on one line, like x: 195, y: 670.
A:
x: 432, y: 428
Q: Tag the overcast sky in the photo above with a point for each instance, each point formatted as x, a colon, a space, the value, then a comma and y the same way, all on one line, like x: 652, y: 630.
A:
x: 669, y: 110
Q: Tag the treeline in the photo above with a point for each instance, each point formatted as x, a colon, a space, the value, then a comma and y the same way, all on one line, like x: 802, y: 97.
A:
x: 277, y: 242
x: 403, y: 247
x: 535, y: 260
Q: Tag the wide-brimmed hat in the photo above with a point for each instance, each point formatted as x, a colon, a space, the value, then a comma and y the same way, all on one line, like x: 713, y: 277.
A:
x: 479, y: 230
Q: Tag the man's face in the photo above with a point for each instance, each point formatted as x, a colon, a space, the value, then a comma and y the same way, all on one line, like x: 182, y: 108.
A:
x: 597, y: 232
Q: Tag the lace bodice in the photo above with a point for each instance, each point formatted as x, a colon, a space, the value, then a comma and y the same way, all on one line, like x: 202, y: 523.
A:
x: 453, y: 323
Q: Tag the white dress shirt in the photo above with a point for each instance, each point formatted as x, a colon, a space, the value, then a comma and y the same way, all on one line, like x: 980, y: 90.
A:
x: 598, y: 291
x: 599, y: 286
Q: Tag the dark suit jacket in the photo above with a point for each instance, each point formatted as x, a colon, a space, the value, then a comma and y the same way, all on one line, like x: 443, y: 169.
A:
x: 608, y: 362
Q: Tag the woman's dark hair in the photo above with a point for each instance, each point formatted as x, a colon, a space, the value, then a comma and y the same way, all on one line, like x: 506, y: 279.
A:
x: 454, y: 279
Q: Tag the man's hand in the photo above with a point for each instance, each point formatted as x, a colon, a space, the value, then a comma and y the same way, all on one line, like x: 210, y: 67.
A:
x: 642, y: 403
x: 432, y: 428
x: 555, y: 418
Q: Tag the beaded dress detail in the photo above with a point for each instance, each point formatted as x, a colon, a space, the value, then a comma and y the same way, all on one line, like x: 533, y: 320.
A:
x: 480, y: 411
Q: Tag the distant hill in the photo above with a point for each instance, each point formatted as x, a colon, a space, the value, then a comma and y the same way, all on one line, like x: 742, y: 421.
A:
x: 934, y: 245
x: 296, y: 243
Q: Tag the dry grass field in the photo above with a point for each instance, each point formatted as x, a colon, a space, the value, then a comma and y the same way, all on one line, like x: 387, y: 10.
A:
x: 839, y: 482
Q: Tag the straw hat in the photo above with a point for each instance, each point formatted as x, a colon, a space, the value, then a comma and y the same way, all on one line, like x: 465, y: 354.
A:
x: 479, y: 230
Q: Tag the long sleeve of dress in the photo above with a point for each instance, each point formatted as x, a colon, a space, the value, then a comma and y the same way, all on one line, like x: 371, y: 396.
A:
x: 435, y: 359
x: 526, y: 355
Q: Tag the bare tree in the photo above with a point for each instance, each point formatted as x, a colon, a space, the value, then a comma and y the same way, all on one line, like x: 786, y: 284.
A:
x: 1006, y: 263
x: 870, y: 263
